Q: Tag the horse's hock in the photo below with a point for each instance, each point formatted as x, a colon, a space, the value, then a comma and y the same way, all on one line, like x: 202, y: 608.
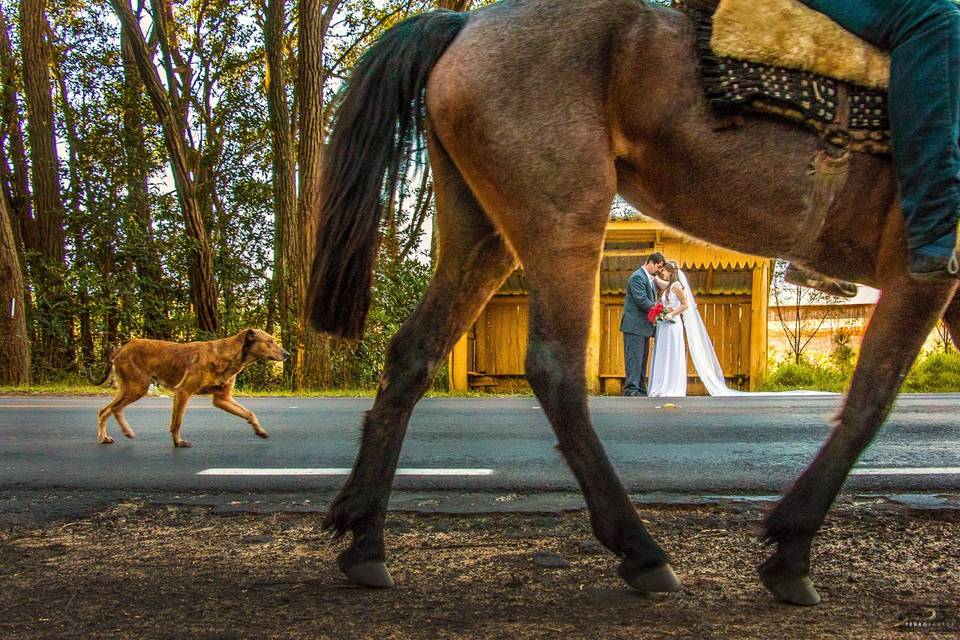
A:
x: 731, y: 290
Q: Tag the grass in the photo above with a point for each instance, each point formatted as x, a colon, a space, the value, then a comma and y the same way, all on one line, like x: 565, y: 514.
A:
x: 82, y: 389
x: 936, y: 372
x: 56, y: 389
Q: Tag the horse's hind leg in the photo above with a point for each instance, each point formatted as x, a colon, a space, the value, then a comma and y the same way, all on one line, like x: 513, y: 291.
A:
x: 473, y: 262
x: 888, y: 350
x: 560, y: 251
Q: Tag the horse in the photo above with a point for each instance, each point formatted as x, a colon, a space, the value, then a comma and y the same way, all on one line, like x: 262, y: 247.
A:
x: 535, y: 114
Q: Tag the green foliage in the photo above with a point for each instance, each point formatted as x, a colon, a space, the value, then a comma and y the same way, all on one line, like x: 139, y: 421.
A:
x: 398, y: 288
x: 936, y: 373
x: 843, y: 354
x: 932, y: 373
x: 219, y: 58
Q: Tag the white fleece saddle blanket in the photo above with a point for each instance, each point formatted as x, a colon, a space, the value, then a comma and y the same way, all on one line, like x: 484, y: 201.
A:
x: 788, y: 34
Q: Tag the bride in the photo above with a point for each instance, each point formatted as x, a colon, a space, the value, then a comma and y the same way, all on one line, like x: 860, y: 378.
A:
x: 668, y: 374
x: 668, y: 371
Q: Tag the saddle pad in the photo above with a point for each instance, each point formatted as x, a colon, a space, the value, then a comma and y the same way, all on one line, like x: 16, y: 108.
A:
x: 787, y: 33
x: 845, y: 114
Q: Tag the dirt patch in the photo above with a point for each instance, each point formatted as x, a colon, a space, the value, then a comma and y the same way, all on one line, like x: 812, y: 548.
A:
x: 137, y: 570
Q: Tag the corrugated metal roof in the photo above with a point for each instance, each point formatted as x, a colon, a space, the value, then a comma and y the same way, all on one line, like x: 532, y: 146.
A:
x: 515, y: 285
x: 613, y: 281
x: 615, y: 271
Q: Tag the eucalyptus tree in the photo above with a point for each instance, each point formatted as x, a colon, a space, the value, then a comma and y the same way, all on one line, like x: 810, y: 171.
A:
x: 172, y: 105
x: 46, y: 248
x: 309, y: 47
x: 14, y: 342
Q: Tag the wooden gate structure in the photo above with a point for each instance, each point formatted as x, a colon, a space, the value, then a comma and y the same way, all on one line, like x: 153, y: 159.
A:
x: 731, y: 290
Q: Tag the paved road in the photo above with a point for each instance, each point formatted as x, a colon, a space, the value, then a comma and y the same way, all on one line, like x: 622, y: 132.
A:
x: 707, y: 445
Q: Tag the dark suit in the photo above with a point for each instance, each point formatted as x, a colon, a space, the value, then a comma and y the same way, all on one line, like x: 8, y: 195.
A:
x: 637, y: 330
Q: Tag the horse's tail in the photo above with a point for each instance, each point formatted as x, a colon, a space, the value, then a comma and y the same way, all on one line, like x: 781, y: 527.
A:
x: 106, y: 372
x: 380, y: 116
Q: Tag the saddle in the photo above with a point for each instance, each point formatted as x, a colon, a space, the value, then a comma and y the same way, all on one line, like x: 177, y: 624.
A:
x: 782, y: 58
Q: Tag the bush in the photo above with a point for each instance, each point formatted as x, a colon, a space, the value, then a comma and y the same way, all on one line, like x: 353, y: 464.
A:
x: 793, y: 376
x: 935, y: 373
x: 843, y: 355
x: 789, y: 376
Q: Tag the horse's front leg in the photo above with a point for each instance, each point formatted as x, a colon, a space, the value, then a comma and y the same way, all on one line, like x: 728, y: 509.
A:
x: 903, y: 318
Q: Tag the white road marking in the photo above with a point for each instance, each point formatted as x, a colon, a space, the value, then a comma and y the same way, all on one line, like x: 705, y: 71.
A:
x: 338, y: 472
x: 907, y: 471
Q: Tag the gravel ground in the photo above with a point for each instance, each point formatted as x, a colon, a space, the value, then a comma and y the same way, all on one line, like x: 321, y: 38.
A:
x: 141, y: 570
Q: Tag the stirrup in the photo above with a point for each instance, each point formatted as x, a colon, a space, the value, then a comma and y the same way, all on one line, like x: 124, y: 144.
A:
x: 801, y: 276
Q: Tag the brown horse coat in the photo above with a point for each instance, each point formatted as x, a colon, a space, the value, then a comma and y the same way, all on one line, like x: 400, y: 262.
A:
x: 209, y: 367
x: 536, y: 113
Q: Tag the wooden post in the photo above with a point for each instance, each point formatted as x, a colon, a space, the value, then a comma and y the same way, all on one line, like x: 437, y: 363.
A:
x: 758, y: 324
x: 457, y: 369
x: 594, y: 338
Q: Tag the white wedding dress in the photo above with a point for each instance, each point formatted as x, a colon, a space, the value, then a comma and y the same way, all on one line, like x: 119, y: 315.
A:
x: 668, y: 371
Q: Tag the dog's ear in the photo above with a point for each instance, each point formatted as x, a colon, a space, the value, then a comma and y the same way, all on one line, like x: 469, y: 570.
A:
x: 250, y: 337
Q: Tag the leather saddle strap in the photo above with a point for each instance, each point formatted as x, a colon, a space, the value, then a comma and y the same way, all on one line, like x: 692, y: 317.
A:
x: 829, y: 177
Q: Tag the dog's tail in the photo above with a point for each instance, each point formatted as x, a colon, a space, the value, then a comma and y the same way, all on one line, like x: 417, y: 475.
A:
x: 106, y: 372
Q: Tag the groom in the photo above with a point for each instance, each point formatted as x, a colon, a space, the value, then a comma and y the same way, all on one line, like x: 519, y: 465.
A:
x: 636, y: 327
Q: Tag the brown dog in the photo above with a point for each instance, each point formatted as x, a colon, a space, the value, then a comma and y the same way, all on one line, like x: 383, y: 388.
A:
x: 186, y: 369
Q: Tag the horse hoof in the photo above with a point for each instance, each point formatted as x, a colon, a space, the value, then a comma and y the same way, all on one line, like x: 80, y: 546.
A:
x: 370, y: 574
x: 658, y: 580
x: 798, y: 591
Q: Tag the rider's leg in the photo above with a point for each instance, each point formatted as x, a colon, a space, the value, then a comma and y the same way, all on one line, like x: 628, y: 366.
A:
x: 923, y: 37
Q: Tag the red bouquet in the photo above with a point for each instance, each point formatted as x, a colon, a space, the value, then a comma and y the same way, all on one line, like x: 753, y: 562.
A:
x: 657, y: 313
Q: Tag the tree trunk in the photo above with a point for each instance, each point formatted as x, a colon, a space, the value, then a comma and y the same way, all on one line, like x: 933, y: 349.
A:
x: 48, y: 268
x: 14, y: 342
x: 77, y: 197
x: 203, y: 287
x: 14, y: 174
x: 16, y: 179
x: 290, y: 249
x: 314, y: 366
x: 141, y: 245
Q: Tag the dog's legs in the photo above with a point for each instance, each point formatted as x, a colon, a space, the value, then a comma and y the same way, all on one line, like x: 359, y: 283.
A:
x: 102, y: 416
x: 122, y: 421
x: 129, y: 394
x: 180, y: 399
x: 224, y: 400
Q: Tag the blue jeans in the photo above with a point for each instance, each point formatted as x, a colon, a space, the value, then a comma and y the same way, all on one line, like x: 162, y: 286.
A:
x: 923, y: 38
